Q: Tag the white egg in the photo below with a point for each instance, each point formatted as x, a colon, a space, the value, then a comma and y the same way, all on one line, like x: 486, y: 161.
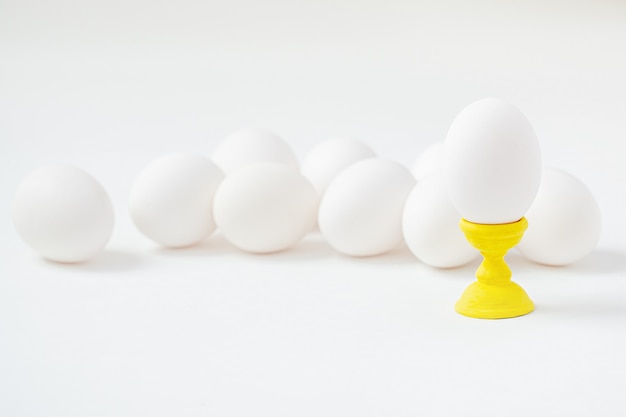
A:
x: 171, y: 201
x: 247, y: 146
x: 361, y: 212
x: 265, y: 207
x: 431, y: 226
x: 564, y: 222
x: 492, y: 162
x: 63, y: 213
x: 330, y: 157
x: 430, y: 161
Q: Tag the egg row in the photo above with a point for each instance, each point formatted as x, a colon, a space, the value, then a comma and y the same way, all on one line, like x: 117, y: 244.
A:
x: 253, y: 191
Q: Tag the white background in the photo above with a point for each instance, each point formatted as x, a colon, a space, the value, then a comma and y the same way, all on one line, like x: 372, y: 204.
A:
x: 211, y: 331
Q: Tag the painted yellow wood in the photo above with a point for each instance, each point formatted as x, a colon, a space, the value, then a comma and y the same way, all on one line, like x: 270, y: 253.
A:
x: 494, y: 295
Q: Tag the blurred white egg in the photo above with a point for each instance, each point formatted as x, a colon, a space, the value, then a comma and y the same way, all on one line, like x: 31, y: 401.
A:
x: 171, y: 201
x: 247, y: 146
x: 431, y: 226
x: 564, y: 222
x: 330, y: 157
x: 492, y: 162
x: 430, y: 161
x: 265, y: 207
x: 63, y: 213
x: 361, y: 212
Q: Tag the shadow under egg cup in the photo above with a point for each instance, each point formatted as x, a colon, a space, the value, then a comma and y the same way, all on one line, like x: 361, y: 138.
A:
x: 494, y: 295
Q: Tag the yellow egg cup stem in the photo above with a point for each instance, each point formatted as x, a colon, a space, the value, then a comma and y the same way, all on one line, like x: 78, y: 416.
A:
x: 494, y: 295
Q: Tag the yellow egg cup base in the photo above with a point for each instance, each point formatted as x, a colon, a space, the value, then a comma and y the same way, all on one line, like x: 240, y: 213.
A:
x: 494, y: 295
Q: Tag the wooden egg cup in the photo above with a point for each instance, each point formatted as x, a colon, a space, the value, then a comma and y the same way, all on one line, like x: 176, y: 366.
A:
x: 494, y: 295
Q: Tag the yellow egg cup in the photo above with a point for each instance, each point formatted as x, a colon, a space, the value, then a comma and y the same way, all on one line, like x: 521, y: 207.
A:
x: 494, y: 295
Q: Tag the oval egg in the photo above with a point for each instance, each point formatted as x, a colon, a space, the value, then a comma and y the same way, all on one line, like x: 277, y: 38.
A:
x: 248, y: 146
x: 564, y: 222
x: 265, y: 207
x: 361, y: 212
x: 330, y: 157
x: 492, y: 162
x: 63, y: 213
x: 431, y: 226
x: 171, y: 200
x: 429, y: 161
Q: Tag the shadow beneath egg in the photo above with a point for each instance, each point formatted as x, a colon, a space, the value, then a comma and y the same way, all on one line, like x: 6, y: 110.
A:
x: 106, y: 261
x: 400, y: 255
x: 599, y: 262
x: 213, y: 245
x: 310, y: 248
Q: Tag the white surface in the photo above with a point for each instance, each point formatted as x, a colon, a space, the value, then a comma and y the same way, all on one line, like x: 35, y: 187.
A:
x: 210, y: 330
